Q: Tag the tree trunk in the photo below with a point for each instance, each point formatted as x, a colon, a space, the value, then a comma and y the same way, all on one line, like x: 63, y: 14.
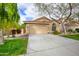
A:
x: 1, y: 37
x: 63, y: 25
x: 64, y: 28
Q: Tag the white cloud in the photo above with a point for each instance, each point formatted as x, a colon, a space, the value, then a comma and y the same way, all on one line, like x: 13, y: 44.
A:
x: 30, y: 11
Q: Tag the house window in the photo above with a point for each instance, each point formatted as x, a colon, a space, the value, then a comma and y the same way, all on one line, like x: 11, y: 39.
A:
x: 53, y: 27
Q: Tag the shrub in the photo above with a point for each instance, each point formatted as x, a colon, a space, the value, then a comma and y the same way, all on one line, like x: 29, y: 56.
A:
x: 56, y: 32
x: 70, y: 30
x: 77, y: 30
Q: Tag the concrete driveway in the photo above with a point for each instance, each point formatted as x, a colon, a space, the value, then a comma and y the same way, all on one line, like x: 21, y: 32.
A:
x: 52, y: 45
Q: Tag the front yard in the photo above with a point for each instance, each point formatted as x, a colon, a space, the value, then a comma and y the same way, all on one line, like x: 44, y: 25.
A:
x: 13, y: 47
x: 74, y: 36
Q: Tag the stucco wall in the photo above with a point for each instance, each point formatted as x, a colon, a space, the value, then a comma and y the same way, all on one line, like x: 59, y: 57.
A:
x: 41, y: 29
x: 58, y: 26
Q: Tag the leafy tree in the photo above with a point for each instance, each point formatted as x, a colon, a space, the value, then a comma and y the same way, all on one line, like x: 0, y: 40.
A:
x: 9, y: 16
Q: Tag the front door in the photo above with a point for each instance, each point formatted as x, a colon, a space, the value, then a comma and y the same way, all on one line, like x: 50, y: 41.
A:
x: 53, y: 27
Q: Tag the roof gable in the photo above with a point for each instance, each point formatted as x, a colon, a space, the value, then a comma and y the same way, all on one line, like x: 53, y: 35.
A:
x: 42, y: 19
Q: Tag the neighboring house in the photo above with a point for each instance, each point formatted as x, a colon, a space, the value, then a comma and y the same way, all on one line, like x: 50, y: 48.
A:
x: 42, y: 25
x: 72, y: 25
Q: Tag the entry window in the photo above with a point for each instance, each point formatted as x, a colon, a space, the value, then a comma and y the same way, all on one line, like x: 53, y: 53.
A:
x: 53, y: 27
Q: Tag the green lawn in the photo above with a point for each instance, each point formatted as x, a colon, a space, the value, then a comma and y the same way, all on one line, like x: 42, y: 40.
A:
x: 13, y: 47
x: 75, y: 36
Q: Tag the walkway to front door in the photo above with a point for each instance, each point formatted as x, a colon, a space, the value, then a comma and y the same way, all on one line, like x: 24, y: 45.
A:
x: 52, y: 45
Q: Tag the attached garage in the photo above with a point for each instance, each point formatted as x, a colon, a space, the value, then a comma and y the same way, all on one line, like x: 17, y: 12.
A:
x: 38, y: 29
x: 38, y: 26
x: 41, y: 25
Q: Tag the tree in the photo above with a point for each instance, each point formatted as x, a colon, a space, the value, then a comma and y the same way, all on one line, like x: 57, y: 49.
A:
x: 9, y: 16
x: 13, y: 17
x: 3, y: 16
x: 55, y: 11
x: 77, y: 15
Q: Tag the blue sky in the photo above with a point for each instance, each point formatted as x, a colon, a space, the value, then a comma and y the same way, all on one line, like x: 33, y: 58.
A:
x: 27, y: 11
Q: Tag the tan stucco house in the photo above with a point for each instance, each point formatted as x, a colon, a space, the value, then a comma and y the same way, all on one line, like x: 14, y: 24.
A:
x: 42, y: 25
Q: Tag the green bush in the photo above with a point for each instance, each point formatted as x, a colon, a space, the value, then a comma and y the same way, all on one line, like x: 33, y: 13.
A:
x: 77, y: 30
x: 56, y: 32
x: 70, y: 30
x: 13, y: 47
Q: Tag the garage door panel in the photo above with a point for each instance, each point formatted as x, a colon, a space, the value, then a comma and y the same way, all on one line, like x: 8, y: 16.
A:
x: 38, y: 30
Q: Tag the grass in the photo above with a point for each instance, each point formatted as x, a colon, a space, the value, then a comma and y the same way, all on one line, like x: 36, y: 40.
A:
x: 13, y: 47
x: 74, y: 36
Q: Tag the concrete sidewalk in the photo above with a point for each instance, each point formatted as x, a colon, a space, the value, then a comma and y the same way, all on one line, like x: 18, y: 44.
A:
x: 52, y: 45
